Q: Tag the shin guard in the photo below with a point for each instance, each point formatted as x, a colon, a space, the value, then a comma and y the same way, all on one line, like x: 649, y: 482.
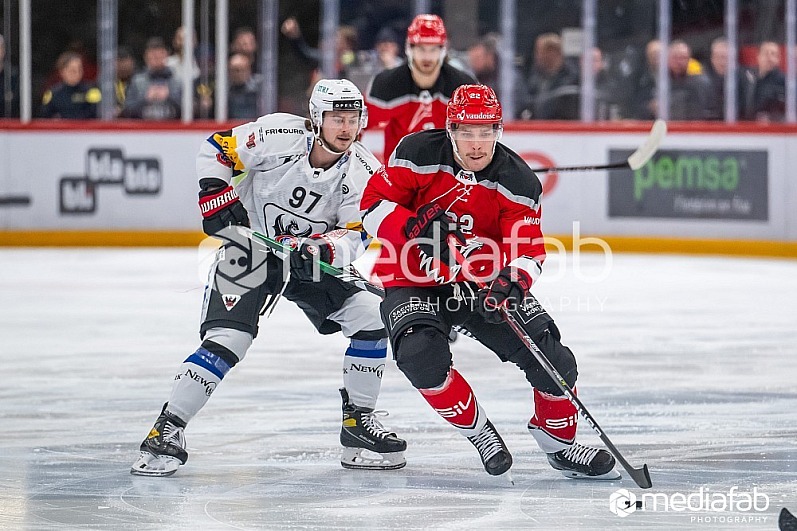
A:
x: 363, y: 365
x: 554, y: 422
x: 199, y: 376
x: 455, y: 402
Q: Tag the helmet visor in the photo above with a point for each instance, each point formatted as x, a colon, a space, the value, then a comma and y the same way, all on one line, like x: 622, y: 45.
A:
x: 476, y: 132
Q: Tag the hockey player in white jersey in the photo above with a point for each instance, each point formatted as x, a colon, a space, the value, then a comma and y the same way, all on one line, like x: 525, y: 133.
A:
x: 298, y: 181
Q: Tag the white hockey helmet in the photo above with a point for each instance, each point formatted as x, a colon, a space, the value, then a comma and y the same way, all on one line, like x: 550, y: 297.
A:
x: 336, y: 95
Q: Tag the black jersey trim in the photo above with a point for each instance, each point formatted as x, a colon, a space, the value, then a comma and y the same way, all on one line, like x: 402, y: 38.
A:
x: 426, y: 170
x: 504, y: 191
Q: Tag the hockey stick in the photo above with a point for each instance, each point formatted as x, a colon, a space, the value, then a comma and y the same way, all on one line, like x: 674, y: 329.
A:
x: 636, y: 160
x: 641, y: 476
x: 787, y: 521
x: 348, y: 274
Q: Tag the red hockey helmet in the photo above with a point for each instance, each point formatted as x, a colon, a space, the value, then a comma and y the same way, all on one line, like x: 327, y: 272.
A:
x: 473, y: 104
x: 427, y: 29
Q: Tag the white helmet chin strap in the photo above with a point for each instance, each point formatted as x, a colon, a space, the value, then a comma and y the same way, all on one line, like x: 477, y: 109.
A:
x: 320, y: 141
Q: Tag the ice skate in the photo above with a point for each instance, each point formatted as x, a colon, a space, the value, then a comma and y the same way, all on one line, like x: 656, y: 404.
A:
x: 584, y: 462
x: 362, y: 432
x: 554, y: 427
x: 492, y: 450
x: 163, y: 451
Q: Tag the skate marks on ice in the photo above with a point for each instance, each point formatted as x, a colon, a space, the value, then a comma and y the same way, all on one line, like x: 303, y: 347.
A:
x: 65, y: 488
x: 296, y: 481
x: 693, y: 377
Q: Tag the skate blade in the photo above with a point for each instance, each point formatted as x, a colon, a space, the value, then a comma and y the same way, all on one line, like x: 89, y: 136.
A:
x: 611, y: 475
x: 355, y: 458
x: 151, y: 465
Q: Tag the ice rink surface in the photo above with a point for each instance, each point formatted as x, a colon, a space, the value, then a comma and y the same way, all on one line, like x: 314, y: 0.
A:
x: 688, y: 363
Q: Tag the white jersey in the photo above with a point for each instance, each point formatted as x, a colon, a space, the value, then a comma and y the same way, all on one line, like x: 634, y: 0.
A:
x: 268, y: 163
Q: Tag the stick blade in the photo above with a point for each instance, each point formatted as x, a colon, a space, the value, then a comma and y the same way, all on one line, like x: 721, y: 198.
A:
x: 787, y: 521
x: 643, y: 154
x: 641, y: 476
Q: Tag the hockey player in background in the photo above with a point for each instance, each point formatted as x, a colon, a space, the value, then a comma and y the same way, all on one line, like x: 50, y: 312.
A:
x: 300, y: 182
x: 412, y: 97
x: 460, y: 184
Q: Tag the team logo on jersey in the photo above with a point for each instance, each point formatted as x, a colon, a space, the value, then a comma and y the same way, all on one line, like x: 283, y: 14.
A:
x: 224, y: 160
x: 285, y: 222
x: 287, y: 225
x: 228, y: 145
x: 250, y: 141
x: 230, y: 300
x: 466, y: 177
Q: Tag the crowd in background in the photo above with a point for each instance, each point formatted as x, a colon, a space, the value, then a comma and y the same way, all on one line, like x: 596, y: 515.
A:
x: 547, y: 86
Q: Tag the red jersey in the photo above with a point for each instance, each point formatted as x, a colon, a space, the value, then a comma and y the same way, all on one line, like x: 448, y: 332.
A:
x: 497, y: 208
x: 402, y: 107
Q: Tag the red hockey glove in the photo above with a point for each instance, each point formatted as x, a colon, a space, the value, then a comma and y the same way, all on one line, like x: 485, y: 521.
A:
x: 316, y: 247
x: 508, y: 290
x: 431, y: 226
x: 220, y: 206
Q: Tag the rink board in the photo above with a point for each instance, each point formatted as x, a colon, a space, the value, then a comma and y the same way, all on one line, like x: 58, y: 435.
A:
x: 716, y: 189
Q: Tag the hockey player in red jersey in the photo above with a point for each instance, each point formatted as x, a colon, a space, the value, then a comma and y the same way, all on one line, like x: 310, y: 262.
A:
x: 412, y: 97
x: 296, y: 180
x: 460, y: 183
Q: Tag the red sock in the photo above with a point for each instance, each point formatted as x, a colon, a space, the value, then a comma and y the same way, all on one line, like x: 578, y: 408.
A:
x: 455, y: 402
x: 557, y: 418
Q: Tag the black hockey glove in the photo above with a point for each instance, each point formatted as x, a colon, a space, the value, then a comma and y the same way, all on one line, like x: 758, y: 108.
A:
x: 508, y: 290
x: 431, y: 226
x: 220, y: 206
x: 310, y: 249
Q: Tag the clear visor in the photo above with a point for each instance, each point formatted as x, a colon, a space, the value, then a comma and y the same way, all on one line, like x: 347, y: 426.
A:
x: 345, y: 119
x: 476, y: 133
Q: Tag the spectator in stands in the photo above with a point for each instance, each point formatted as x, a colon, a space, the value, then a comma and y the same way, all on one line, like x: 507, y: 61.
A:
x: 205, y: 83
x: 606, y: 88
x: 768, y: 102
x: 388, y: 49
x: 485, y: 63
x: 71, y: 98
x: 689, y: 92
x: 125, y: 69
x: 155, y: 93
x: 716, y: 70
x: 9, y: 103
x: 346, y: 46
x: 244, y: 41
x: 645, y: 106
x: 175, y: 60
x: 553, y: 86
x: 242, y: 97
